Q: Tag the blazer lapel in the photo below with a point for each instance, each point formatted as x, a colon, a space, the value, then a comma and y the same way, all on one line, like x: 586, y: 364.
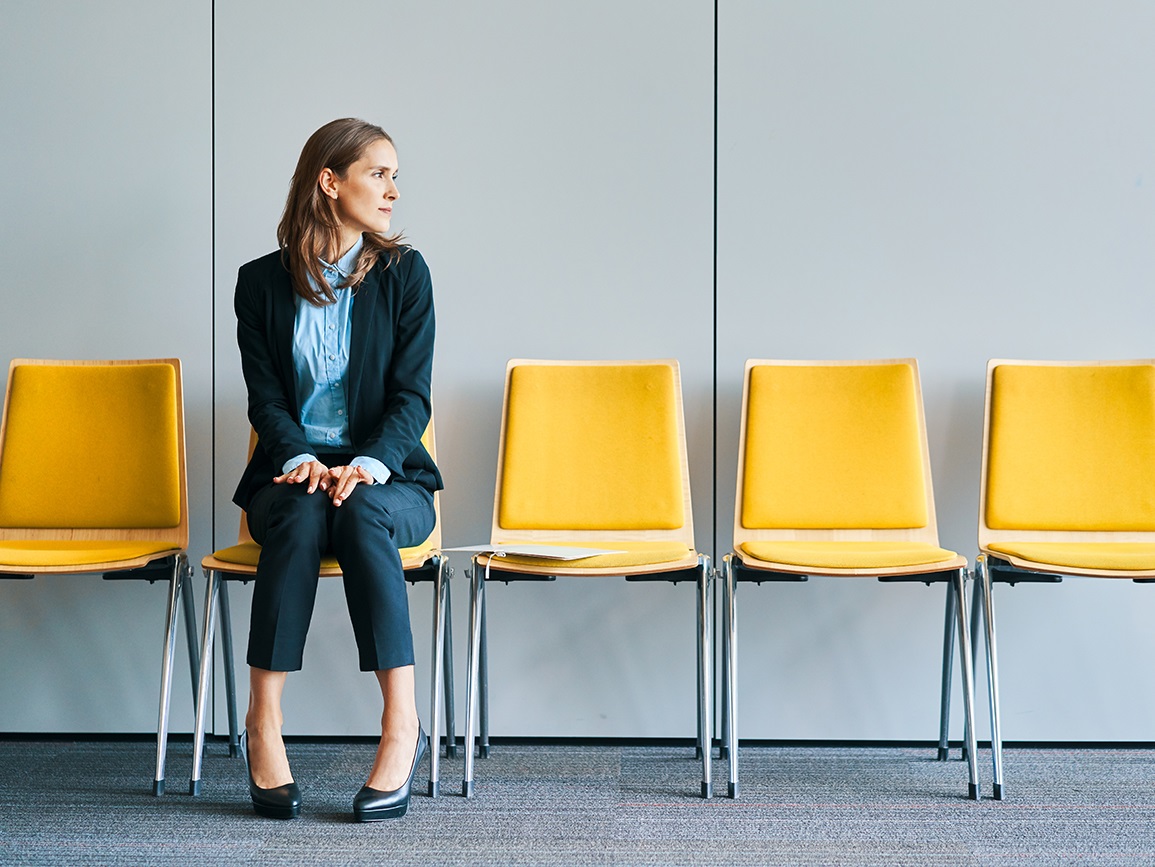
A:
x: 284, y: 315
x: 364, y: 304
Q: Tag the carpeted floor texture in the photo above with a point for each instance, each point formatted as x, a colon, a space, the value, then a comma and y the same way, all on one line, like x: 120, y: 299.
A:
x: 91, y: 803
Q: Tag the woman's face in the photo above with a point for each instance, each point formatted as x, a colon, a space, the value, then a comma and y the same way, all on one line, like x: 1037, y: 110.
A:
x: 364, y: 197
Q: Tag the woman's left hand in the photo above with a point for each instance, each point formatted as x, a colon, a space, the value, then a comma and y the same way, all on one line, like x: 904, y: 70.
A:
x: 342, y: 481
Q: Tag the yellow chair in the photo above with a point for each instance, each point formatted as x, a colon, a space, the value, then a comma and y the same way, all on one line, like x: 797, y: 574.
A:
x: 592, y: 455
x: 1068, y: 484
x: 424, y: 562
x: 834, y: 479
x: 92, y: 479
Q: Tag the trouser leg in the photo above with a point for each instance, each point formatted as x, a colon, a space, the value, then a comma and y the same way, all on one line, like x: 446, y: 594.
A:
x: 366, y: 532
x: 291, y: 526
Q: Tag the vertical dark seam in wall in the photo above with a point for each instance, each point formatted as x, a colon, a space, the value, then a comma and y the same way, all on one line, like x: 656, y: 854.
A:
x: 714, y: 391
x: 213, y: 256
x: 213, y: 300
x: 714, y: 435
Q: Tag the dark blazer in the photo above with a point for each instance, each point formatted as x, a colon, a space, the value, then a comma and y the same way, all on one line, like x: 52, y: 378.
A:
x: 390, y: 364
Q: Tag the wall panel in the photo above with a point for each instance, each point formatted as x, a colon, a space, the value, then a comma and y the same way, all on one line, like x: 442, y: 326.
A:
x: 951, y: 181
x: 555, y: 173
x: 104, y: 232
x: 954, y: 182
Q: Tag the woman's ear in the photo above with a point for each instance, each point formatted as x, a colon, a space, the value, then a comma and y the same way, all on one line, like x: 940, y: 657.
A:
x: 327, y: 181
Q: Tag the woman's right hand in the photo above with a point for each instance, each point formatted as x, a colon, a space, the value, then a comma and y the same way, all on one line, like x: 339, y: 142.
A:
x: 313, y: 472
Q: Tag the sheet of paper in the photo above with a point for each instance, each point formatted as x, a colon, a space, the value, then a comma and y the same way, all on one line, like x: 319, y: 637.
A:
x: 551, y: 552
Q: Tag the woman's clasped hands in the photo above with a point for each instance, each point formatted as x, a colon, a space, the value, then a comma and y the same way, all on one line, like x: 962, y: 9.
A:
x: 337, y: 482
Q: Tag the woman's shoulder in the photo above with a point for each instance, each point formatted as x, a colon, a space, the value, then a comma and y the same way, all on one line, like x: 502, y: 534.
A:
x: 268, y: 265
x: 405, y: 266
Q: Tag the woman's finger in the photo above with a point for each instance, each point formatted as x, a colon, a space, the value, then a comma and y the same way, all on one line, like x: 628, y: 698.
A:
x: 349, y: 478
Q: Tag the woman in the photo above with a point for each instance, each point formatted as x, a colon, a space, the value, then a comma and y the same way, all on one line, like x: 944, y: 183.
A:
x: 336, y: 336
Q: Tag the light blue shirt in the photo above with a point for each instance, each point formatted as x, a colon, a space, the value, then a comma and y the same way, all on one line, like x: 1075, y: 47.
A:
x: 321, y: 364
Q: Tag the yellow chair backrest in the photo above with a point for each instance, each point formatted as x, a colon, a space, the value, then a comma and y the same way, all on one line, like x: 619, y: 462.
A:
x: 1069, y: 446
x: 94, y: 446
x: 833, y: 446
x: 592, y: 447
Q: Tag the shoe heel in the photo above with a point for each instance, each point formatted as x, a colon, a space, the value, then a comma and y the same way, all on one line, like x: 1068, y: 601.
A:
x: 281, y: 802
x: 374, y: 805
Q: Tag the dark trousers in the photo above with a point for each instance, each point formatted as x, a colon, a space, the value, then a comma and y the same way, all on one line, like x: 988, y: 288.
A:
x: 295, y: 529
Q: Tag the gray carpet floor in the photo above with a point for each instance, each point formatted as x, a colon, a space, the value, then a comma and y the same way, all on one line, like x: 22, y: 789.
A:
x: 91, y: 803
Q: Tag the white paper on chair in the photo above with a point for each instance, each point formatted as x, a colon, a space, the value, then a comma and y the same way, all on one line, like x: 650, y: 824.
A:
x: 550, y: 552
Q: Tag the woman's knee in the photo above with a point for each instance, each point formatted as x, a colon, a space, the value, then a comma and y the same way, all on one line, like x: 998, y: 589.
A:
x: 407, y: 516
x: 287, y: 514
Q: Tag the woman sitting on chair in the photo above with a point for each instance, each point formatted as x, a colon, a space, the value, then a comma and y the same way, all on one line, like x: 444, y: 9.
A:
x: 336, y: 336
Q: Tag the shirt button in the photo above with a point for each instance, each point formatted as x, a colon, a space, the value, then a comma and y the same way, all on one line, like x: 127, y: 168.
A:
x: 332, y: 357
x: 340, y: 412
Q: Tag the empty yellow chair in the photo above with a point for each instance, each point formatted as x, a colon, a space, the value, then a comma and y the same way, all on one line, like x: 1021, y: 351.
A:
x: 101, y: 443
x: 592, y: 454
x: 834, y: 479
x: 1068, y: 484
x: 424, y: 562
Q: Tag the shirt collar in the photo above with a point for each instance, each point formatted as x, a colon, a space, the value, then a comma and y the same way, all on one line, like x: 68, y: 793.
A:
x: 345, y: 265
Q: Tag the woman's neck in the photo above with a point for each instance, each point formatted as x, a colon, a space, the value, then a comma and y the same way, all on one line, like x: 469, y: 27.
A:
x: 345, y: 243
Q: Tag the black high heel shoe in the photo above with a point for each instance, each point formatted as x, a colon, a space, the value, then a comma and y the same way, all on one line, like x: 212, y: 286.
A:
x: 281, y: 802
x: 373, y: 805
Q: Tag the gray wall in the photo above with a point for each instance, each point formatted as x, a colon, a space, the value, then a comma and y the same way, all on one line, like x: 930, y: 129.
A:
x: 951, y: 181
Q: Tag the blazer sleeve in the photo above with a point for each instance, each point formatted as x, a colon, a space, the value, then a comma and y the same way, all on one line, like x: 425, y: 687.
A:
x: 272, y: 406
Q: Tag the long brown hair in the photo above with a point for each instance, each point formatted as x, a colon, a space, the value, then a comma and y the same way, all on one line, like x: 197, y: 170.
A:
x: 309, y: 226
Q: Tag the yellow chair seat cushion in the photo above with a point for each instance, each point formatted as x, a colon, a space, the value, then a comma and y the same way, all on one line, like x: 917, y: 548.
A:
x: 592, y: 447
x: 629, y: 554
x: 833, y: 447
x: 847, y: 555
x: 55, y: 554
x: 1124, y: 556
x: 248, y: 553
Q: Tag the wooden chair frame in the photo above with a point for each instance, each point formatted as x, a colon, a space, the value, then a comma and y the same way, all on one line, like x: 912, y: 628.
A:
x: 737, y: 566
x: 169, y: 564
x: 424, y: 563
x: 694, y: 567
x: 994, y: 566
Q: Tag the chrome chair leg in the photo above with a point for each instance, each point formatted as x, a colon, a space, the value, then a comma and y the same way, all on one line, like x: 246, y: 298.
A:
x: 702, y: 749
x: 450, y: 715
x: 988, y: 609
x: 730, y: 649
x: 483, y: 666
x: 437, y: 669
x: 974, y: 615
x: 947, y: 672
x: 705, y: 598
x: 476, y: 584
x: 212, y: 582
x: 190, y: 626
x: 976, y: 608
x: 175, y: 584
x: 724, y: 686
x: 968, y: 683
x: 226, y: 635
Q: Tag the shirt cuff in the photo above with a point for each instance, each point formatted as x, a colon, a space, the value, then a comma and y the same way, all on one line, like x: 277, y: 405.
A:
x: 292, y: 463
x: 377, y: 470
